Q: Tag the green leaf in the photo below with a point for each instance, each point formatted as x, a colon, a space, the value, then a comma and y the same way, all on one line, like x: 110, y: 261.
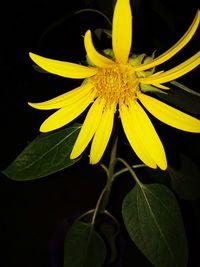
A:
x: 185, y: 180
x: 153, y: 220
x: 83, y: 247
x: 45, y: 155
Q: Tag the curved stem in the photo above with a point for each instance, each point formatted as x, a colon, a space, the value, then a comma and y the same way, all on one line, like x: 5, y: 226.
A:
x: 96, y: 210
x: 110, y: 174
x: 84, y: 215
x: 131, y: 171
x: 104, y: 168
x: 112, y: 217
x: 126, y: 169
x: 185, y: 88
x: 105, y: 194
x: 96, y: 11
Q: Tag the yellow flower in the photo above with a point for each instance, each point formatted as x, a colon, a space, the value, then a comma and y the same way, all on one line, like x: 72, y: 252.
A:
x: 118, y: 84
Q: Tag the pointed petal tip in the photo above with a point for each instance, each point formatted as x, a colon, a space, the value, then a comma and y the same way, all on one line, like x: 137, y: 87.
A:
x: 102, y: 135
x: 44, y: 129
x: 122, y: 31
x: 30, y: 54
x: 163, y: 166
x: 35, y: 105
x: 176, y: 47
x: 63, y: 68
x: 33, y: 56
x: 30, y: 104
x: 88, y: 128
x: 73, y: 156
x: 170, y: 115
x: 94, y: 56
x: 93, y: 162
x: 88, y: 32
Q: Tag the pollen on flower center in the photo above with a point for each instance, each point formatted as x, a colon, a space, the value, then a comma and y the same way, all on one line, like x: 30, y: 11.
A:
x: 116, y: 85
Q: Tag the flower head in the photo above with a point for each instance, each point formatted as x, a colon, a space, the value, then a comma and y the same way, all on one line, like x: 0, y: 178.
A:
x: 119, y: 83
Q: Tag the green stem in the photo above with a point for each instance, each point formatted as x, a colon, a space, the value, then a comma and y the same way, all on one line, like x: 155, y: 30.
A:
x: 185, y: 88
x: 96, y: 210
x: 85, y: 214
x: 96, y: 11
x: 126, y: 169
x: 131, y: 171
x: 105, y: 194
x: 110, y: 175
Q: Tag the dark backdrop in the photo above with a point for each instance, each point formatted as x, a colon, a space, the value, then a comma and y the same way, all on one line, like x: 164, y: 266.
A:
x: 34, y: 214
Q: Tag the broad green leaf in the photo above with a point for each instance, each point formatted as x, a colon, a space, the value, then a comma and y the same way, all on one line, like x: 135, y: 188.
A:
x: 185, y: 180
x: 83, y: 247
x: 153, y: 220
x: 45, y: 155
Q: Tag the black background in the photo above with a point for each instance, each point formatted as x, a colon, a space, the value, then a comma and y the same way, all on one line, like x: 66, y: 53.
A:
x: 34, y: 214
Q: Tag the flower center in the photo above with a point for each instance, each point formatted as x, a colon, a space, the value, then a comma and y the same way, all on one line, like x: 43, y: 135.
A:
x: 117, y: 84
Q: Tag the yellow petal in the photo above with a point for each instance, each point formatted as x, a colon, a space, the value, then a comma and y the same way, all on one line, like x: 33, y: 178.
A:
x: 88, y: 128
x: 134, y: 138
x: 62, y: 68
x: 170, y: 115
x: 102, y: 135
x: 66, y: 114
x: 175, y: 72
x: 148, y: 135
x: 65, y: 99
x: 95, y: 57
x: 175, y: 48
x: 122, y: 30
x: 161, y: 86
